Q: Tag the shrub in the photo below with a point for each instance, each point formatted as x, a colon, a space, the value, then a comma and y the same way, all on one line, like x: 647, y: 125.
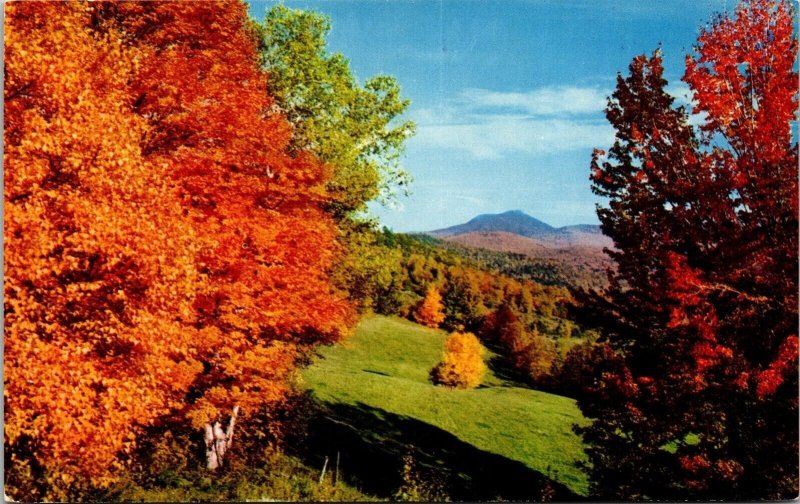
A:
x: 537, y: 357
x: 419, y: 485
x: 462, y: 363
x: 278, y: 477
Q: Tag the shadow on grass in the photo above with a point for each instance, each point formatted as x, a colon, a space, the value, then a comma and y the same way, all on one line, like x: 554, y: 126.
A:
x: 372, y: 443
x: 381, y: 373
x: 502, y: 368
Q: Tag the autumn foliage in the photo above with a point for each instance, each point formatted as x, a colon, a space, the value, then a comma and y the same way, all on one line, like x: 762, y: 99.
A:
x: 430, y: 311
x: 702, y: 310
x: 462, y: 363
x: 529, y: 352
x: 166, y: 258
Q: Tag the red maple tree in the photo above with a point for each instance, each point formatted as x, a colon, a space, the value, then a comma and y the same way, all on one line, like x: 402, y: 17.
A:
x: 702, y: 399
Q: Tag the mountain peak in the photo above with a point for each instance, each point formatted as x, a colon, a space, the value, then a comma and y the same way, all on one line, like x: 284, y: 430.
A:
x: 512, y: 221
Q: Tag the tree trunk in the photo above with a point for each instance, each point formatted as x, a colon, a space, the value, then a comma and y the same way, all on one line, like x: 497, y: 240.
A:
x: 218, y: 441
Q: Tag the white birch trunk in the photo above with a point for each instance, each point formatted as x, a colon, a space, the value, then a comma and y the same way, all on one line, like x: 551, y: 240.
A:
x: 218, y: 441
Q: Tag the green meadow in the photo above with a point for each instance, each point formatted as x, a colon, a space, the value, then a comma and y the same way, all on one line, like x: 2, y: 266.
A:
x: 501, y: 440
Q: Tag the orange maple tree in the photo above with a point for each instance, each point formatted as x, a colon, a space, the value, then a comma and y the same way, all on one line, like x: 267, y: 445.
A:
x: 164, y: 254
x: 430, y: 310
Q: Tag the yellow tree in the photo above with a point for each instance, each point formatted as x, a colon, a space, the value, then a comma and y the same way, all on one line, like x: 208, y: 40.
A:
x: 462, y: 363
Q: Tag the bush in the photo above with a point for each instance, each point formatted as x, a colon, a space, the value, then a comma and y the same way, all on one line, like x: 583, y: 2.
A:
x: 419, y: 485
x: 462, y: 363
x: 278, y: 477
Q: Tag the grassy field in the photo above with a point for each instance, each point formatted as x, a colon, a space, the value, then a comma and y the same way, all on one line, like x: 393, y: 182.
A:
x: 499, y: 440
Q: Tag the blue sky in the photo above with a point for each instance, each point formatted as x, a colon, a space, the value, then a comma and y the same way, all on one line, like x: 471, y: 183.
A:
x: 508, y: 95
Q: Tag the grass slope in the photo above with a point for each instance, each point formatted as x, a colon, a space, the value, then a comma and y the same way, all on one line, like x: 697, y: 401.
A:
x: 378, y: 381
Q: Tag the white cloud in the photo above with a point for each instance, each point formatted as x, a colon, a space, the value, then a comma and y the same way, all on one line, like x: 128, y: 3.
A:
x: 682, y: 93
x: 684, y: 96
x: 556, y: 101
x: 492, y: 136
x: 470, y: 199
x: 490, y: 124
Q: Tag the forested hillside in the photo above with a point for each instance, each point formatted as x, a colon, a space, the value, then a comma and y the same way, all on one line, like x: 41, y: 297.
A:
x: 522, y: 246
x: 519, y: 257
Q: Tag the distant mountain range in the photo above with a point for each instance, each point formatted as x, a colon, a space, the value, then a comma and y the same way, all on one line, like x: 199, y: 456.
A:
x: 577, y: 249
x: 517, y: 222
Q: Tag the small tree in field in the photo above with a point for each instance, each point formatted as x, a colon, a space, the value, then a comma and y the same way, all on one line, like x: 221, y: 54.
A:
x: 430, y: 311
x: 462, y: 363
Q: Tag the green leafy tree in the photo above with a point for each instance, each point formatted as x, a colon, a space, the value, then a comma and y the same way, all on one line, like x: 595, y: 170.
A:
x: 356, y: 129
x: 372, y: 273
x: 462, y: 300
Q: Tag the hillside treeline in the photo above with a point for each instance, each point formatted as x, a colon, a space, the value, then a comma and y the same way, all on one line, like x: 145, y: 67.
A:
x: 525, y: 322
x: 543, y: 270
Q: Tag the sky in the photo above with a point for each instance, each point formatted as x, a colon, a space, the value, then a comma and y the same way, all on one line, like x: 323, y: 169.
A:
x: 507, y: 95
